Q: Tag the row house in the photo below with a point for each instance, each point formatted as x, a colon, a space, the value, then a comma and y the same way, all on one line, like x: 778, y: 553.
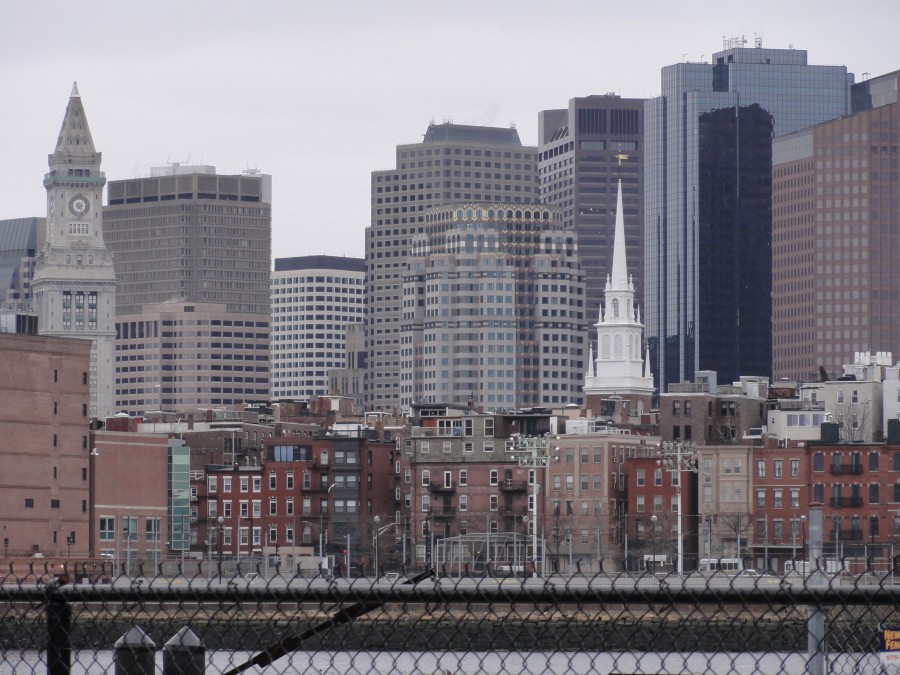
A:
x: 461, y: 477
x: 309, y: 497
x: 587, y: 498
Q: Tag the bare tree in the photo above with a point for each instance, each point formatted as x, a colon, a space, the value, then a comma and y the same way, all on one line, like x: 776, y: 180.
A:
x: 737, y: 525
x: 853, y: 421
x: 727, y: 421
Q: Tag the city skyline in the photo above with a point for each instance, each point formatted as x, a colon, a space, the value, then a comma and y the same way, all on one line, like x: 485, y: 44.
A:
x: 297, y: 78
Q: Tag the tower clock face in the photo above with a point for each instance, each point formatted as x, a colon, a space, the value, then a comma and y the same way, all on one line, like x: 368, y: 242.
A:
x: 79, y: 205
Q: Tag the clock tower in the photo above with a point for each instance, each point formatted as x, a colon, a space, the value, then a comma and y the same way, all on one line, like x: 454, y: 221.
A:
x: 74, y: 285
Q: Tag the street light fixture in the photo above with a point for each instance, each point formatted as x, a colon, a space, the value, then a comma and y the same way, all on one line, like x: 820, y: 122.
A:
x: 679, y: 458
x: 220, y: 521
x: 377, y: 520
x: 653, y: 520
x: 321, y: 523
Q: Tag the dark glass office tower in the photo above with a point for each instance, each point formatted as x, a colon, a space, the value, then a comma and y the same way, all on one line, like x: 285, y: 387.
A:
x: 707, y: 230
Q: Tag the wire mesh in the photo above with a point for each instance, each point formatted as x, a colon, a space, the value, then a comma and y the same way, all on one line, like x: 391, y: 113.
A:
x: 71, y: 622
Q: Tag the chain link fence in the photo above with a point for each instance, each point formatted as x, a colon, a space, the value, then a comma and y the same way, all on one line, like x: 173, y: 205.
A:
x: 71, y: 622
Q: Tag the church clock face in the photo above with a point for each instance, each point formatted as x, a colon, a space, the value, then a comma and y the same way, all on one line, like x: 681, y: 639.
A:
x: 79, y: 205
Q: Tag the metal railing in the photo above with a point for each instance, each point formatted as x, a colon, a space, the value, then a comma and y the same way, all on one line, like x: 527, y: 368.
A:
x: 513, y: 622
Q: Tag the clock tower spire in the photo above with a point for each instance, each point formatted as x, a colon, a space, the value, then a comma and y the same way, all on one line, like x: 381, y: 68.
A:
x: 74, y: 284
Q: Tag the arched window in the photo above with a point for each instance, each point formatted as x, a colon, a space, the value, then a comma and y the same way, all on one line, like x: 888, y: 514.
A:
x: 617, y: 348
x: 615, y: 308
x: 604, y: 352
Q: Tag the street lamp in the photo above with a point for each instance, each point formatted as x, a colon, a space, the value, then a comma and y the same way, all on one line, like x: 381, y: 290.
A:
x: 220, y: 521
x: 525, y: 545
x: 321, y: 523
x: 377, y: 520
x: 653, y: 520
x: 678, y: 458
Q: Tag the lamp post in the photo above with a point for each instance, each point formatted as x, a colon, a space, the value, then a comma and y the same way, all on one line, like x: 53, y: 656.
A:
x: 322, y: 521
x: 220, y: 521
x: 653, y: 520
x: 679, y: 458
x: 525, y: 521
x: 377, y: 520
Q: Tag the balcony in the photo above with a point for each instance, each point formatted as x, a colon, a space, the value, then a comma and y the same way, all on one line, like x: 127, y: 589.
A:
x: 845, y: 535
x: 442, y: 487
x: 845, y: 502
x: 509, y: 485
x: 444, y: 512
x: 846, y: 469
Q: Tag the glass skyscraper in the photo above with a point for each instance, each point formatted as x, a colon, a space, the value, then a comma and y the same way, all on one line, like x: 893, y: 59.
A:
x: 707, y: 202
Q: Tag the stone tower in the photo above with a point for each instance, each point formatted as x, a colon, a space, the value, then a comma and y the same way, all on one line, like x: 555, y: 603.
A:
x: 74, y: 284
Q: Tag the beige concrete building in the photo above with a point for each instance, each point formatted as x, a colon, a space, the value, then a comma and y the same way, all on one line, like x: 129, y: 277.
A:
x: 725, y: 511
x: 187, y: 236
x: 44, y: 445
x: 453, y: 163
x: 183, y: 355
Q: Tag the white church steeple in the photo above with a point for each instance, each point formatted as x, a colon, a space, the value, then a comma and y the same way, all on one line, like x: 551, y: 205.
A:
x: 619, y: 366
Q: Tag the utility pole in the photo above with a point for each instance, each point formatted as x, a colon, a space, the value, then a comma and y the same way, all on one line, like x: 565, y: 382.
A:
x: 532, y: 451
x: 679, y: 458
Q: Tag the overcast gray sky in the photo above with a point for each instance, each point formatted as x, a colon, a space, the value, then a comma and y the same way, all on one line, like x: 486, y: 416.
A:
x: 318, y: 94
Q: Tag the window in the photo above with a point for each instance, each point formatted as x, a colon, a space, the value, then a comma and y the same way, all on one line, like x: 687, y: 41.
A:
x: 245, y: 509
x: 760, y: 468
x: 795, y: 499
x: 873, y: 493
x: 273, y: 506
x: 151, y: 529
x: 819, y: 461
x: 257, y: 483
x: 489, y: 426
x: 211, y: 483
x: 107, y: 528
x: 676, y: 407
x: 488, y: 446
x: 819, y: 493
x: 464, y: 502
x: 448, y: 446
x: 494, y: 477
x: 245, y: 484
x: 658, y: 503
x: 273, y: 481
x: 570, y: 481
x: 463, y: 477
x: 687, y: 409
x: 585, y: 457
x: 494, y: 502
x: 760, y: 499
x: 873, y: 461
x: 779, y: 500
x: 289, y: 506
x: 795, y: 468
x: 426, y: 477
x: 657, y: 477
x: 211, y: 509
x: 639, y: 504
x: 468, y: 447
x: 779, y: 468
x: 778, y: 528
x: 640, y: 476
x: 289, y: 480
x: 583, y: 479
x: 557, y: 482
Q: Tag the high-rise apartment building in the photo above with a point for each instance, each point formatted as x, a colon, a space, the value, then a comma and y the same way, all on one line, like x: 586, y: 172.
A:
x: 74, y: 284
x: 315, y: 299
x: 580, y: 159
x: 454, y: 163
x: 707, y: 202
x: 199, y: 242
x: 493, y: 308
x: 835, y: 250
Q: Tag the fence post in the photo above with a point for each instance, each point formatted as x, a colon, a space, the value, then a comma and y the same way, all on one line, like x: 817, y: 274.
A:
x: 815, y: 622
x: 184, y: 654
x: 135, y: 653
x: 59, y: 627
